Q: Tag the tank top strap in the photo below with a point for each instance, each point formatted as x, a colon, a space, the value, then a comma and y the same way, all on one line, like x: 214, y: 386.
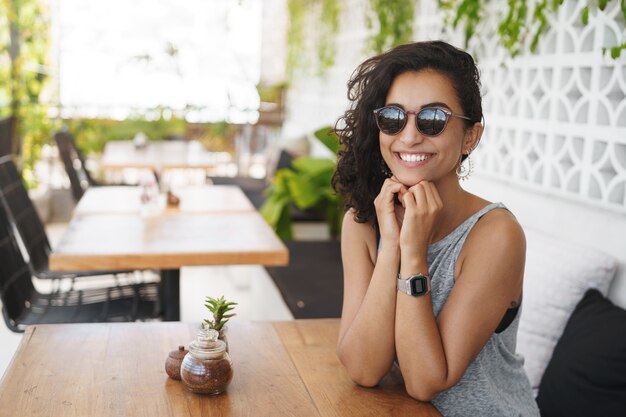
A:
x: 463, y: 229
x: 471, y: 221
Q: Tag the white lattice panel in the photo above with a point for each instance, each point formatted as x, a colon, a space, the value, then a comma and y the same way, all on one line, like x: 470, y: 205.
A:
x: 556, y: 121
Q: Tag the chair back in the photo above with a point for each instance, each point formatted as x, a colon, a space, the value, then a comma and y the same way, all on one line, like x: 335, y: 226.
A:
x: 21, y: 211
x: 7, y: 127
x: 74, y: 164
x: 16, y: 287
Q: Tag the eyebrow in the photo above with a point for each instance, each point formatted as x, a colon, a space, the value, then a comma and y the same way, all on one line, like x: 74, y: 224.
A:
x: 433, y: 104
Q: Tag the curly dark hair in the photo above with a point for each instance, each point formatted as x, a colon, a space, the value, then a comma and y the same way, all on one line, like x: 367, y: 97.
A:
x: 359, y: 177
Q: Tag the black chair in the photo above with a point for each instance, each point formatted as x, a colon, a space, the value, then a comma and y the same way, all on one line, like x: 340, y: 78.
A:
x: 22, y: 213
x: 312, y: 283
x: 74, y: 164
x: 23, y: 305
x: 7, y: 127
x: 14, y: 196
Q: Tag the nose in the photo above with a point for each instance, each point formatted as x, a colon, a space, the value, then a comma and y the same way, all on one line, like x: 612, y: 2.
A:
x: 410, y: 135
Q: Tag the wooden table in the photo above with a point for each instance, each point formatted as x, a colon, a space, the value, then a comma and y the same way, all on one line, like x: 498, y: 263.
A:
x: 117, y: 369
x: 193, y: 199
x: 129, y: 241
x: 159, y: 156
x: 123, y: 239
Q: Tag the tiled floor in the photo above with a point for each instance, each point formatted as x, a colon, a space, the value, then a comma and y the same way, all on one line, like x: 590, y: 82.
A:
x: 250, y: 286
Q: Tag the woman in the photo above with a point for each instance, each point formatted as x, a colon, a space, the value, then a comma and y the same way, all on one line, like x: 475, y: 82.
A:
x: 432, y: 274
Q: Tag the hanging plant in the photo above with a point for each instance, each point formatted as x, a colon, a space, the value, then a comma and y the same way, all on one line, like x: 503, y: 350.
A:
x: 329, y: 24
x: 326, y: 13
x: 24, y: 44
x: 524, y: 20
x: 615, y: 50
x: 392, y: 21
x: 513, y: 30
x: 468, y: 12
x: 295, y: 35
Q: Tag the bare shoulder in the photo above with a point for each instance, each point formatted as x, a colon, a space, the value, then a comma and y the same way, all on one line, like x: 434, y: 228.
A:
x: 494, y: 255
x: 500, y: 225
x: 352, y: 228
x: 497, y: 232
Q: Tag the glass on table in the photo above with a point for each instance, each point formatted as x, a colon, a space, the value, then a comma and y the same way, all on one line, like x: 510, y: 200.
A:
x: 207, y: 368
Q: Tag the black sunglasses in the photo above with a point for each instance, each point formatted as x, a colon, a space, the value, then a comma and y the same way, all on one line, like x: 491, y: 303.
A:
x: 430, y: 121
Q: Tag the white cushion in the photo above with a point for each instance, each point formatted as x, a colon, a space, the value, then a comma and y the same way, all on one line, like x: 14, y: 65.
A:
x: 557, y: 275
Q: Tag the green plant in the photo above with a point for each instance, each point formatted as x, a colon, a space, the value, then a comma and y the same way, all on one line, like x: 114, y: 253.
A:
x: 513, y: 31
x: 271, y: 93
x: 215, y: 136
x: 24, y: 44
x: 467, y: 11
x: 37, y: 130
x: 295, y: 35
x: 219, y: 307
x: 307, y: 187
x: 524, y: 22
x: 615, y: 50
x: 92, y: 134
x: 394, y: 23
x: 326, y: 13
x: 329, y: 24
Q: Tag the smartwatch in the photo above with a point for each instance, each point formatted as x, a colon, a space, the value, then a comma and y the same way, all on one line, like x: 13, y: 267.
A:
x: 415, y: 285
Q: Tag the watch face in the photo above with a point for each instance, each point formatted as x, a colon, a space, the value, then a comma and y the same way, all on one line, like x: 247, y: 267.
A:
x: 418, y: 285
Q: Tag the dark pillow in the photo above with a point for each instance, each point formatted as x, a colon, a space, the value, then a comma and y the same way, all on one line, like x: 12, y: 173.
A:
x: 586, y: 375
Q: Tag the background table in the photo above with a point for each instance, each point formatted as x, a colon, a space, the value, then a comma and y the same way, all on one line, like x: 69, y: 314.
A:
x: 122, y: 239
x: 158, y: 156
x: 280, y: 369
x: 193, y: 199
x: 129, y: 241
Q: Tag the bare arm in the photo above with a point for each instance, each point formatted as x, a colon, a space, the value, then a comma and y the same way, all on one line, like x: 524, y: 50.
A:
x: 366, y: 344
x: 434, y: 354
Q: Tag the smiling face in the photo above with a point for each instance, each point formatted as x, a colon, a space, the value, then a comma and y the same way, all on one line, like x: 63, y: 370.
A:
x: 411, y: 155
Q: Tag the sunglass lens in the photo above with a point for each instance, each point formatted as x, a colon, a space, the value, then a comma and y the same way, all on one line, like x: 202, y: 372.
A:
x: 390, y: 120
x: 431, y: 121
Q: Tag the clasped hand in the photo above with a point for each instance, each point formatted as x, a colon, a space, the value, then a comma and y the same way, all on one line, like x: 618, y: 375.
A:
x: 410, y: 225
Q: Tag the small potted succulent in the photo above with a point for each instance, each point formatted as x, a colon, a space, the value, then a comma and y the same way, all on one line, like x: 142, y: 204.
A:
x: 219, y: 308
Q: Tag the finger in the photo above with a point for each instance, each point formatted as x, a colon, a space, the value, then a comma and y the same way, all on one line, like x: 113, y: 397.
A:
x: 432, y: 195
x: 387, y: 192
x: 420, y: 196
x: 401, y: 194
x: 390, y: 182
x: 395, y: 186
x: 408, y: 200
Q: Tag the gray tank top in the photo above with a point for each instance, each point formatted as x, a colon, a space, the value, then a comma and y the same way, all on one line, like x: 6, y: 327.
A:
x: 494, y: 383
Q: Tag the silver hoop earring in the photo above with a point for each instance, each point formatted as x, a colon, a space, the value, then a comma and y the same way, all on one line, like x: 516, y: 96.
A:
x: 465, y: 168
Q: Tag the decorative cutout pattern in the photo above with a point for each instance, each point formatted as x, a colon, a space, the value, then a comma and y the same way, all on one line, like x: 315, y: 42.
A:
x: 555, y: 121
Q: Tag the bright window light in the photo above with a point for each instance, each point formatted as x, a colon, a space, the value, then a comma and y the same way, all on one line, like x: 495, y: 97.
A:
x: 198, y: 57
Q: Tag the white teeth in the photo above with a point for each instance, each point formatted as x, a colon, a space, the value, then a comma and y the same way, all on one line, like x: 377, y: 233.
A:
x: 411, y: 157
